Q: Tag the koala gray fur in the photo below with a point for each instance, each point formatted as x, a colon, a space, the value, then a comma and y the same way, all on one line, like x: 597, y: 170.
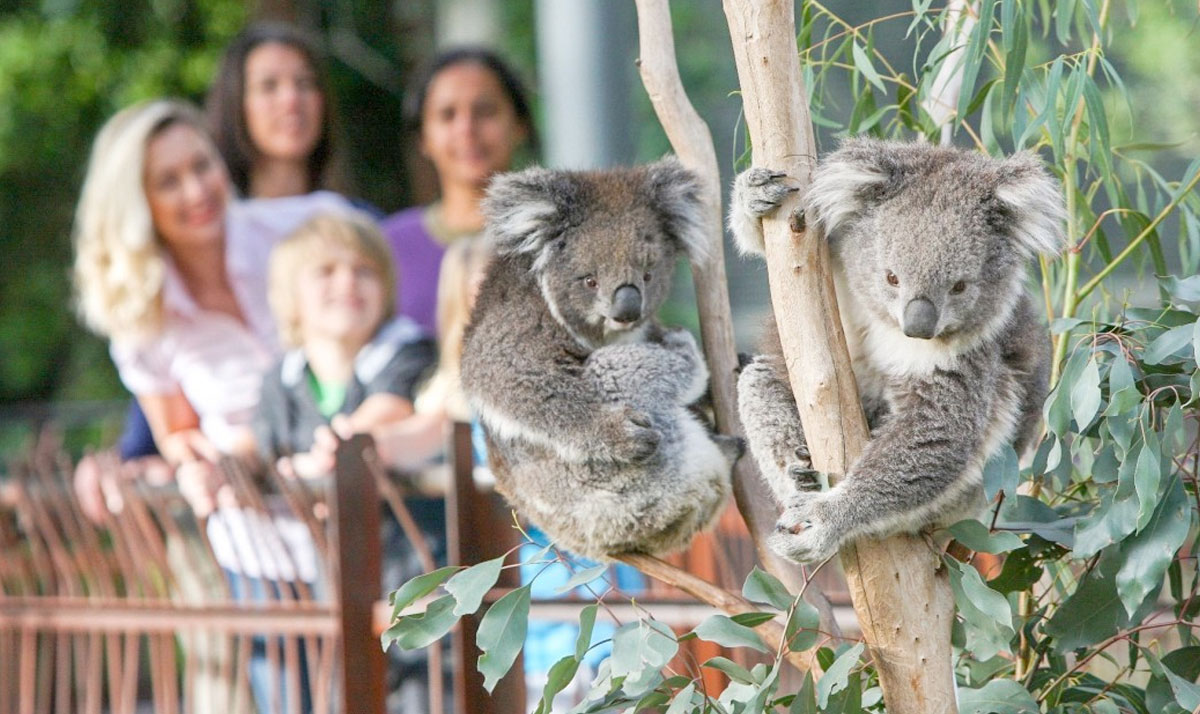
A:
x: 583, y: 395
x: 930, y: 249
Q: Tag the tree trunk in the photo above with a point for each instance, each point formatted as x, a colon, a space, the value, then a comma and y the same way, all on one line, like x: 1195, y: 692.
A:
x: 901, y: 595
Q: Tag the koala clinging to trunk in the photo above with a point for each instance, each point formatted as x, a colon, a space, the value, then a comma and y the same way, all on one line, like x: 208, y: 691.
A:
x: 584, y: 396
x: 930, y: 251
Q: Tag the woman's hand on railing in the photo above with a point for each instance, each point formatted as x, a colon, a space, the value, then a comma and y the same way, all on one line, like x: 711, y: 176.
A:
x: 203, y: 486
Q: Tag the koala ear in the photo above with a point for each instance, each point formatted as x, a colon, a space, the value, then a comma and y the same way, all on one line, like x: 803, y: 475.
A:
x: 525, y: 209
x: 848, y: 180
x: 675, y: 192
x: 1034, y: 204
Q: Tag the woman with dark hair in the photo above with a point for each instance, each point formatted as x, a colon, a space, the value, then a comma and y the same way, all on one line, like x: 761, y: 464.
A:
x: 471, y: 115
x: 270, y: 114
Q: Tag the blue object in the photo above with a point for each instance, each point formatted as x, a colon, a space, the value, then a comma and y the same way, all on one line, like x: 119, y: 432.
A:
x: 136, y: 440
x: 548, y: 642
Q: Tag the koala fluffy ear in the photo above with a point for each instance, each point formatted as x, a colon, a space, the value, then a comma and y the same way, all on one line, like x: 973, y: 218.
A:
x: 845, y: 182
x: 526, y: 209
x: 675, y: 192
x: 1034, y: 203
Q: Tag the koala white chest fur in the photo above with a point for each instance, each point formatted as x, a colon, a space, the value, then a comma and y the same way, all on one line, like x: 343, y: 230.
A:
x: 583, y: 395
x: 930, y: 252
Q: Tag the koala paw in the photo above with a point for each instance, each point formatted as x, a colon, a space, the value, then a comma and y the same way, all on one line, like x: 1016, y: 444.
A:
x: 631, y: 435
x: 759, y: 191
x: 804, y: 533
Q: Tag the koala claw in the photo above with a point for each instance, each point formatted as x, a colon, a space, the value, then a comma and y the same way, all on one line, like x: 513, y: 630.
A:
x: 762, y: 190
x: 758, y: 176
x: 801, y: 533
x: 805, y: 476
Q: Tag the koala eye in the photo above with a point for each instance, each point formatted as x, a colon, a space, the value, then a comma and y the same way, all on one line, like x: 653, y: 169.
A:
x: 646, y: 277
x: 958, y: 287
x: 892, y: 279
x: 590, y: 281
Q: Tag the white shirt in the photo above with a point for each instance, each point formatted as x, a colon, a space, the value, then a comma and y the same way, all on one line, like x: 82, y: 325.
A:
x: 214, y: 359
x: 218, y: 363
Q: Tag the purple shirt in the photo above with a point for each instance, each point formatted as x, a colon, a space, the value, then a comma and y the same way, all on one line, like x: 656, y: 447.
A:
x: 418, y: 258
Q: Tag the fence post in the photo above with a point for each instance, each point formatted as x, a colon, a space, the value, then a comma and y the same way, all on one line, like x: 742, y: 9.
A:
x: 477, y: 531
x: 354, y: 514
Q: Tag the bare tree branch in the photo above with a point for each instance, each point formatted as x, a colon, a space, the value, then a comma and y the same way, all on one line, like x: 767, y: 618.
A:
x: 901, y: 595
x: 690, y: 138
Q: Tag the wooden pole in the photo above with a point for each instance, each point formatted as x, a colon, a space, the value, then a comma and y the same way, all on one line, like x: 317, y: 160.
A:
x: 901, y: 595
x: 354, y: 511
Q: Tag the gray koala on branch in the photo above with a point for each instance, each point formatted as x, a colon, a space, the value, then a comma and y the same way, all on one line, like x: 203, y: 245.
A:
x: 583, y: 395
x: 930, y: 248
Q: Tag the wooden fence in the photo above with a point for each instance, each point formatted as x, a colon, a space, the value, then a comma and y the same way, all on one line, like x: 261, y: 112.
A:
x: 133, y: 614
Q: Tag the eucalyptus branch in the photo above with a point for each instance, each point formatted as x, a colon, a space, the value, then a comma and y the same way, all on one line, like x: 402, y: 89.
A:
x: 720, y: 598
x: 1091, y: 285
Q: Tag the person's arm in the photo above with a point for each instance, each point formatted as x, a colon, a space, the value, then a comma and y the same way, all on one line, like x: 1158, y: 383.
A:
x: 376, y: 411
x: 176, y: 428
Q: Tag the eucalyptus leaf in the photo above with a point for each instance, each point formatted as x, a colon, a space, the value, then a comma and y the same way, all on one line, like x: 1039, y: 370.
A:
x: 862, y: 62
x: 641, y: 645
x: 1185, y: 289
x: 762, y: 587
x: 1169, y: 344
x: 1187, y: 694
x: 412, y: 632
x: 501, y: 635
x: 469, y: 586
x: 801, y: 630
x: 587, y: 623
x: 734, y: 671
x: 976, y: 536
x: 727, y: 633
x: 1019, y: 572
x: 1093, y: 612
x: 583, y: 577
x: 836, y: 676
x: 1085, y: 395
x: 999, y: 696
x: 1002, y: 472
x: 1146, y: 477
x: 1123, y: 394
x: 682, y: 701
x: 1184, y: 663
x: 1111, y: 521
x: 752, y: 619
x: 985, y: 612
x: 1148, y: 553
x: 806, y: 698
x: 560, y: 675
x: 419, y: 587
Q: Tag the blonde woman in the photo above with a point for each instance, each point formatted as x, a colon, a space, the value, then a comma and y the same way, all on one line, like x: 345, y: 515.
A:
x: 173, y: 272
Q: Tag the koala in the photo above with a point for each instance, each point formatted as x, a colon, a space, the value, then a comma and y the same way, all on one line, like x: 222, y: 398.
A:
x: 583, y: 396
x: 930, y: 248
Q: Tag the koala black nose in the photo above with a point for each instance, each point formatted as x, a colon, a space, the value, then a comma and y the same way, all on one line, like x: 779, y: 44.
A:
x: 920, y: 319
x: 626, y: 304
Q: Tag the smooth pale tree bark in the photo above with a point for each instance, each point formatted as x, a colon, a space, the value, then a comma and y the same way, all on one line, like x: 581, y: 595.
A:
x: 690, y: 138
x: 901, y: 595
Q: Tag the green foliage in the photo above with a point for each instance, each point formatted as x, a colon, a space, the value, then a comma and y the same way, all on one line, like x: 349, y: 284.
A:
x: 64, y: 68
